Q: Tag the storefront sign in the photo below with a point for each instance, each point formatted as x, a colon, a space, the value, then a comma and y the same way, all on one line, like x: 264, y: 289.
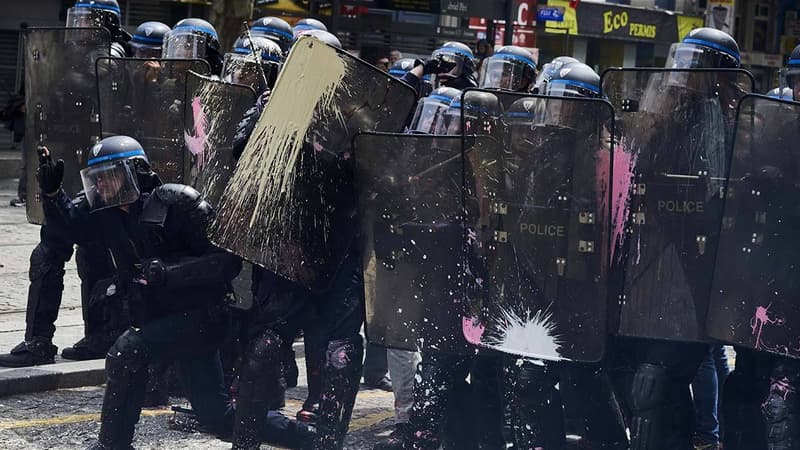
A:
x: 637, y: 24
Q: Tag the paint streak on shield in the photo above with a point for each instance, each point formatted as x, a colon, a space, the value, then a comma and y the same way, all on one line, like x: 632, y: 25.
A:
x: 196, y: 141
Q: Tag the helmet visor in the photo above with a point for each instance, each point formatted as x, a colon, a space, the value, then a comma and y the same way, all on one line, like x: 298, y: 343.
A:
x: 429, y: 115
x: 504, y: 74
x: 559, y: 112
x: 244, y: 69
x: 694, y: 56
x: 185, y: 44
x: 88, y: 17
x: 451, y: 122
x: 453, y: 58
x: 146, y: 51
x: 567, y: 88
x: 110, y: 184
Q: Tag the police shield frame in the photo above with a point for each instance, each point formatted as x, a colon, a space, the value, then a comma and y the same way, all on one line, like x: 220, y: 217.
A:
x: 61, y: 103
x: 537, y: 203
x: 293, y: 184
x: 674, y: 128
x: 411, y: 211
x: 212, y: 111
x: 143, y: 99
x: 755, y: 286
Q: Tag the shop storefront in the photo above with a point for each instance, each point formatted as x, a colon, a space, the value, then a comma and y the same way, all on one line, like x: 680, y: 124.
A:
x: 606, y: 35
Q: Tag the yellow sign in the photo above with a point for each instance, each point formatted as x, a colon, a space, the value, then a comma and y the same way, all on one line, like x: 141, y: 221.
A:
x: 613, y: 22
x: 687, y: 24
x: 570, y: 23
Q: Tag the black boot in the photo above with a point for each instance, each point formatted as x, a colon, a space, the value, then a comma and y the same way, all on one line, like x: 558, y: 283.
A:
x: 397, y: 440
x: 126, y: 367
x: 86, y: 349
x: 340, y: 386
x: 260, y: 390
x: 30, y: 353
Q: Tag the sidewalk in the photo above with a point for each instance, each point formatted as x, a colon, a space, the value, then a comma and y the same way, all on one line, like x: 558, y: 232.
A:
x: 17, y: 240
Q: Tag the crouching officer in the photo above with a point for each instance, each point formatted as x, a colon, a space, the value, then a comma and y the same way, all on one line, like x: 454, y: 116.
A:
x: 170, y: 278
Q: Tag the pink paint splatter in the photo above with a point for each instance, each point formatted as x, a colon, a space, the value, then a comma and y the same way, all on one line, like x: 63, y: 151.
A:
x: 760, y: 319
x: 622, y: 182
x: 196, y: 142
x: 472, y: 329
x: 318, y: 147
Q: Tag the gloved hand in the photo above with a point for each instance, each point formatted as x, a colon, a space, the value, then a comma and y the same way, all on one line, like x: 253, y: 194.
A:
x: 50, y: 174
x: 434, y: 66
x: 154, y: 273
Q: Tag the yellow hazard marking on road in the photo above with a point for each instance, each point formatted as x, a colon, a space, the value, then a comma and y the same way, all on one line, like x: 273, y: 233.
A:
x: 291, y: 405
x: 73, y: 418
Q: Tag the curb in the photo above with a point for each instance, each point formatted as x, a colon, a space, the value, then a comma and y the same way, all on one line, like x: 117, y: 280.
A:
x: 64, y: 375
x: 10, y: 164
x: 47, y: 377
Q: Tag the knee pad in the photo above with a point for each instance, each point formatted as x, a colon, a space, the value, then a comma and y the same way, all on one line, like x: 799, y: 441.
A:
x: 649, y: 392
x: 264, y: 355
x: 345, y: 353
x: 780, y: 408
x: 649, y: 388
x: 128, y: 354
x: 44, y: 262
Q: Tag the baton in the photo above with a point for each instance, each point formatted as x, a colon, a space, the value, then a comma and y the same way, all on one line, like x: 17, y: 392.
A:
x: 256, y: 55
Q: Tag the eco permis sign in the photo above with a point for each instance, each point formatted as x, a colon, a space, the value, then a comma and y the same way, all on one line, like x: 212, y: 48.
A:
x: 626, y: 23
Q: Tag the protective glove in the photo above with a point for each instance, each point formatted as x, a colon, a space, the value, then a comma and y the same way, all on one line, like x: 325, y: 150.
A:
x: 154, y: 273
x: 50, y: 174
x: 434, y: 65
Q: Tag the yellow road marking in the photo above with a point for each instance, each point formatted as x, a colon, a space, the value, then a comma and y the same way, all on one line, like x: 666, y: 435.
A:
x: 295, y: 405
x: 73, y: 418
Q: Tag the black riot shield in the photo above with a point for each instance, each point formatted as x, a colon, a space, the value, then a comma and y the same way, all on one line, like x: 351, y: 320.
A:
x: 212, y: 111
x: 410, y: 203
x: 538, y: 207
x: 143, y: 99
x: 757, y: 275
x: 290, y: 204
x: 674, y: 128
x: 61, y: 102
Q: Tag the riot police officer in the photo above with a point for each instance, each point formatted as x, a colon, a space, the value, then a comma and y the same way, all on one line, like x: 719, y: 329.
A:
x: 281, y: 309
x: 170, y: 277
x: 193, y: 38
x: 307, y: 24
x: 56, y: 245
x: 254, y: 62
x: 453, y: 64
x: 535, y: 407
x: 277, y: 30
x: 654, y: 375
x: 511, y: 68
x: 148, y: 39
x: 101, y: 14
x: 793, y: 73
x: 549, y: 70
x: 430, y: 113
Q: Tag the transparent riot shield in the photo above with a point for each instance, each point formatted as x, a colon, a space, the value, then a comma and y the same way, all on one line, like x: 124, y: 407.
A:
x: 213, y: 109
x: 538, y: 208
x: 61, y: 102
x: 755, y: 289
x: 143, y: 99
x: 674, y: 128
x: 410, y: 204
x: 290, y: 204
